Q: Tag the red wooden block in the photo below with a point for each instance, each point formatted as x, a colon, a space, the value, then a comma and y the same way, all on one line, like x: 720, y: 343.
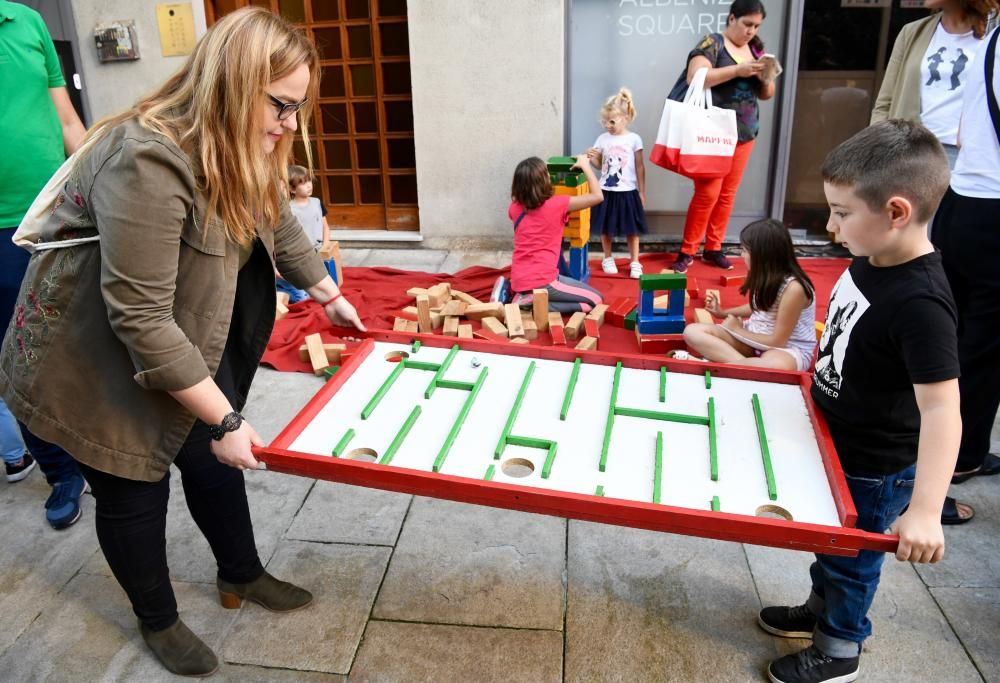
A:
x: 660, y: 343
x: 692, y: 287
x: 483, y: 333
x: 591, y: 328
x: 618, y: 309
x: 558, y: 335
x: 732, y: 280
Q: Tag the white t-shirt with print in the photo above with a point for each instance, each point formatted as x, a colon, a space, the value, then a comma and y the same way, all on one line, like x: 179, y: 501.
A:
x: 618, y: 165
x: 977, y: 170
x: 943, y: 73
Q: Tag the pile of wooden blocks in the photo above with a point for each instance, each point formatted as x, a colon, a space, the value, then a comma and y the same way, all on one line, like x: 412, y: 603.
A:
x: 442, y: 308
x: 322, y: 357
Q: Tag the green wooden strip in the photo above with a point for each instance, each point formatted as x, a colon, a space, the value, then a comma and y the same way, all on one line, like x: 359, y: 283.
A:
x: 569, y: 389
x: 440, y: 371
x: 708, y: 379
x: 454, y: 384
x: 489, y: 473
x: 529, y: 442
x: 765, y: 452
x: 459, y: 421
x: 420, y: 365
x: 658, y: 467
x: 599, y: 491
x: 715, y: 503
x: 415, y: 346
x: 549, y: 459
x: 342, y: 444
x: 663, y: 384
x: 666, y: 417
x: 713, y: 450
x: 381, y: 391
x: 514, y: 410
x: 331, y: 371
x: 400, y: 435
x: 611, y: 418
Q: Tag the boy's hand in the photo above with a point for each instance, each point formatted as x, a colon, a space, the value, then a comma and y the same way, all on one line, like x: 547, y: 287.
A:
x: 921, y: 538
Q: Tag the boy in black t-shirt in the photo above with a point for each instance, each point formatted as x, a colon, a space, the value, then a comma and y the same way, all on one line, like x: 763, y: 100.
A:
x: 886, y: 381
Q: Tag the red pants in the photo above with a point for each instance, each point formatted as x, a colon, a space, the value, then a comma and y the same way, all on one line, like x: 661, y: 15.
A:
x: 708, y: 212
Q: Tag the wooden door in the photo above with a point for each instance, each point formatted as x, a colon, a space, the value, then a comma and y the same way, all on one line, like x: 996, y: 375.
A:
x: 363, y: 152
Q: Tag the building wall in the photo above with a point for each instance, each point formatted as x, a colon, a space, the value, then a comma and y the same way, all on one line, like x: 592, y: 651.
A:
x: 112, y: 87
x: 488, y: 90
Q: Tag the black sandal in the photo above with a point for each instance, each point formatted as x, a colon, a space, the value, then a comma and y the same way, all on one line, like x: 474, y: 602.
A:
x: 949, y: 513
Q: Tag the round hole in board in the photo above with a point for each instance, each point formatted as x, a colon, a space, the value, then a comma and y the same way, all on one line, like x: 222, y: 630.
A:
x: 362, y: 454
x: 396, y: 356
x: 517, y: 467
x: 773, y: 512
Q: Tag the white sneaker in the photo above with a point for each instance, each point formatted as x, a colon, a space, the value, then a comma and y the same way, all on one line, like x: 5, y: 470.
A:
x: 608, y: 265
x: 681, y: 354
x: 635, y: 270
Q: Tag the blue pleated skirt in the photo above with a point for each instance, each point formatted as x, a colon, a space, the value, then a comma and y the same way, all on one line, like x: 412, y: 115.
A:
x: 620, y: 214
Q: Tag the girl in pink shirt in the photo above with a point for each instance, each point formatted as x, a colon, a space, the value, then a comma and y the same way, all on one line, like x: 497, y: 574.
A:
x: 539, y: 218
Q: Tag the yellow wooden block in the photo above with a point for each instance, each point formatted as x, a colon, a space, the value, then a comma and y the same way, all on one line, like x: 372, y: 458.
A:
x: 578, y: 191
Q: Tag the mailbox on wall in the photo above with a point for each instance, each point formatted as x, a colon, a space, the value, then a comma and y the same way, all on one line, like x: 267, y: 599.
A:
x: 116, y: 41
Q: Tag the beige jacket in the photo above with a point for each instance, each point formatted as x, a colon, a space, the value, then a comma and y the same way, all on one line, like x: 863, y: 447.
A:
x: 899, y: 96
x: 101, y: 332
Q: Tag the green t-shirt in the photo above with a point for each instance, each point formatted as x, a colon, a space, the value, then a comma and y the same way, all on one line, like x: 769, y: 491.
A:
x: 31, y: 149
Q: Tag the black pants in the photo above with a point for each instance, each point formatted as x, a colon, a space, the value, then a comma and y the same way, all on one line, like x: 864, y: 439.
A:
x: 132, y: 523
x: 967, y: 231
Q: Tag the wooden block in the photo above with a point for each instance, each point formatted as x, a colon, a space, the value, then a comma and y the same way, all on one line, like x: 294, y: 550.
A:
x: 484, y: 333
x: 692, y: 287
x: 412, y: 327
x: 465, y: 331
x: 515, y: 326
x: 558, y: 335
x: 450, y: 326
x: 411, y: 311
x: 530, y: 328
x: 820, y: 329
x: 399, y: 325
x: 540, y: 309
x: 331, y: 252
x: 316, y: 353
x: 587, y: 344
x: 732, y: 280
x: 495, y: 326
x: 436, y: 320
x: 454, y: 307
x: 493, y: 309
x: 415, y: 291
x: 555, y: 319
x: 575, y: 324
x: 687, y: 299
x: 667, y: 270
x: 280, y: 310
x: 282, y: 298
x: 332, y: 351
x: 662, y: 301
x: 703, y: 316
x: 590, y: 326
x: 424, y: 313
x: 618, y: 309
x: 519, y: 340
x: 467, y: 298
x: 439, y: 294
x: 598, y: 314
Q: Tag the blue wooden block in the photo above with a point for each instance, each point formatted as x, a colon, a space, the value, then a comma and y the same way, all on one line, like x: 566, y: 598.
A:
x: 646, y: 303
x: 676, y: 305
x: 578, y: 268
x: 331, y: 268
x: 660, y: 324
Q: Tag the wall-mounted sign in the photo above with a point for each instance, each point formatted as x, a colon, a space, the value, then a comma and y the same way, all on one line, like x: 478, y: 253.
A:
x: 176, y: 24
x: 116, y: 41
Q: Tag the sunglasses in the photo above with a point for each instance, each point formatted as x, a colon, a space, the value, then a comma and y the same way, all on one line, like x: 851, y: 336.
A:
x: 286, y: 109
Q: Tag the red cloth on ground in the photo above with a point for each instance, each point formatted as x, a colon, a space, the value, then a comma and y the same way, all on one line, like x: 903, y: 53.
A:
x: 380, y: 293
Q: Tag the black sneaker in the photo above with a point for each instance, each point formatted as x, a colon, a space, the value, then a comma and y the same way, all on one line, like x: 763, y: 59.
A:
x: 812, y: 666
x: 717, y: 259
x: 787, y: 622
x: 682, y: 262
x: 20, y: 471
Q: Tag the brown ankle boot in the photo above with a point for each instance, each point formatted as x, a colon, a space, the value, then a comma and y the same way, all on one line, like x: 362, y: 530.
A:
x: 180, y: 650
x: 266, y: 591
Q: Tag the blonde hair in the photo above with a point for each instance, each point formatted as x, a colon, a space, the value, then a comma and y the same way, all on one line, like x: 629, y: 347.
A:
x: 211, y: 108
x: 621, y: 102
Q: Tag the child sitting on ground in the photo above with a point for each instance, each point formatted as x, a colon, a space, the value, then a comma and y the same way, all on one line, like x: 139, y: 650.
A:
x: 781, y: 330
x: 539, y: 217
x: 886, y: 382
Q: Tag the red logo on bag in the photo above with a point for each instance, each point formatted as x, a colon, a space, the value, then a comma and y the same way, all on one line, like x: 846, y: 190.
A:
x: 715, y: 140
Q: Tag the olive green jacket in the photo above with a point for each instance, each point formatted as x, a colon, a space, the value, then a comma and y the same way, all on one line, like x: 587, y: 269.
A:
x: 102, y: 331
x: 899, y: 96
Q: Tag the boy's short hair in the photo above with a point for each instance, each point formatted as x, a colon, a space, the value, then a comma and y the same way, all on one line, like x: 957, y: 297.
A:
x: 892, y: 158
x: 296, y: 176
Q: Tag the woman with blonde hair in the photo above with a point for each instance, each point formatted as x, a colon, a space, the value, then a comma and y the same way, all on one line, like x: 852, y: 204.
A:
x: 174, y: 306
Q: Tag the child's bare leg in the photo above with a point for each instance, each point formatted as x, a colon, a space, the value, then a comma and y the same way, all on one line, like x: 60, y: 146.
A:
x: 713, y: 344
x: 775, y: 359
x: 633, y: 248
x: 606, y: 244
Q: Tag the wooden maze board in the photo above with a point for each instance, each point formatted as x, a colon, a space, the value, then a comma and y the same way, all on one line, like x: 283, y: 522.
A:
x: 702, y: 449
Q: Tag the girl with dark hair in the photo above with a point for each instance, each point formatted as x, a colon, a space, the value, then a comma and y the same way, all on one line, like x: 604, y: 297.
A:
x: 781, y: 330
x: 539, y: 216
x: 739, y: 77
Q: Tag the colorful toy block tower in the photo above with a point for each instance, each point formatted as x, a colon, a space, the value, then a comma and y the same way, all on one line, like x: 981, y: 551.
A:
x: 652, y: 320
x: 573, y: 183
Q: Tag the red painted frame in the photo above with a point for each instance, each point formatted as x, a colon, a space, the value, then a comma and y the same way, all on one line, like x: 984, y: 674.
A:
x: 843, y: 540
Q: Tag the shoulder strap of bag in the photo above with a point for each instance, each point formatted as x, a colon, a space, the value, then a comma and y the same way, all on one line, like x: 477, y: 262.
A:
x: 519, y: 218
x: 991, y: 96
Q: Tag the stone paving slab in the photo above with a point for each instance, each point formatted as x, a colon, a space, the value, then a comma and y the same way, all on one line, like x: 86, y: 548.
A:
x: 648, y: 606
x: 396, y: 652
x: 351, y: 256
x: 324, y: 636
x: 427, y: 260
x: 465, y: 564
x: 460, y: 260
x: 339, y: 513
x: 970, y: 611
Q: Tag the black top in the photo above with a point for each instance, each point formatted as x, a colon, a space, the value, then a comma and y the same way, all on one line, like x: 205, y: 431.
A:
x: 886, y: 330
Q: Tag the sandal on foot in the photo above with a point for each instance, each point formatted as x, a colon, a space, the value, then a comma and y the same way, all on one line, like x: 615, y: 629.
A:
x: 950, y: 514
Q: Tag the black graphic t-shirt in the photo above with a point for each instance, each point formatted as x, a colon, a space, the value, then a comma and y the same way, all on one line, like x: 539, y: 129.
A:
x: 738, y: 94
x: 886, y: 330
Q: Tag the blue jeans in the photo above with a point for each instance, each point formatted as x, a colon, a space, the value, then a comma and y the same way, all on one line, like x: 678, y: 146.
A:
x: 11, y: 446
x: 56, y: 463
x: 295, y: 295
x: 843, y: 587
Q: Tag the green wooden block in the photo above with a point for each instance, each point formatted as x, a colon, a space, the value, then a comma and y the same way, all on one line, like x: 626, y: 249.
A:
x: 715, y: 504
x: 708, y: 379
x: 630, y: 319
x: 415, y: 346
x: 599, y: 491
x: 331, y: 371
x: 662, y: 282
x: 560, y: 164
x: 573, y: 179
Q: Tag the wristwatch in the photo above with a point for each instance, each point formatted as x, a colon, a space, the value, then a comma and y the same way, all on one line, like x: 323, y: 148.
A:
x: 230, y: 423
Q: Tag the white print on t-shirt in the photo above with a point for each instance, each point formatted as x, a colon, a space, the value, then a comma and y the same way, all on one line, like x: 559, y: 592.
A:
x: 847, y: 305
x: 618, y: 163
x: 944, y: 72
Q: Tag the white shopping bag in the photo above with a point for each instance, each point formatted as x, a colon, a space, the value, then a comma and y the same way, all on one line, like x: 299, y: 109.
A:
x: 696, y: 139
